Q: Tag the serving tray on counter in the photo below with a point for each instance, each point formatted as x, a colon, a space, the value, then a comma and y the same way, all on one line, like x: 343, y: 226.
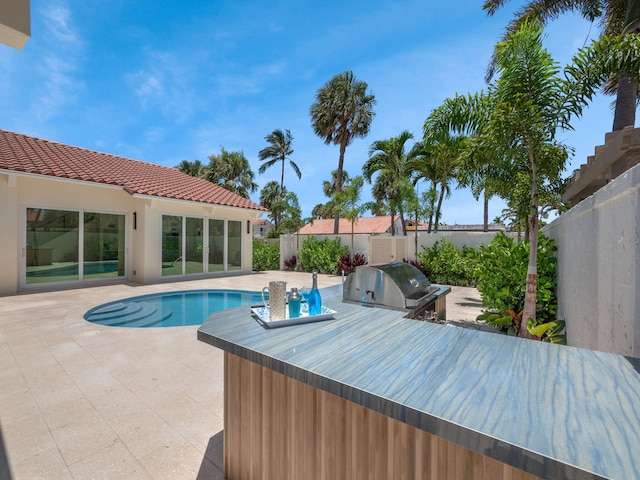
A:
x: 262, y: 315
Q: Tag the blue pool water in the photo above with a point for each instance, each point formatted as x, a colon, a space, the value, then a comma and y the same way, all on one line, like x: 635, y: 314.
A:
x: 170, y: 309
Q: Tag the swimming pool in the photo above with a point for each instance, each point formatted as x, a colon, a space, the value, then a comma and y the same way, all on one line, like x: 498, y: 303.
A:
x: 169, y: 309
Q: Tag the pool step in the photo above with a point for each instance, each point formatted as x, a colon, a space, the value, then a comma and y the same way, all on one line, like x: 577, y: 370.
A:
x: 138, y: 314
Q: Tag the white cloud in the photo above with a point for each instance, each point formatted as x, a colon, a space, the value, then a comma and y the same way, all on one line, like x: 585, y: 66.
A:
x: 60, y: 65
x: 59, y: 24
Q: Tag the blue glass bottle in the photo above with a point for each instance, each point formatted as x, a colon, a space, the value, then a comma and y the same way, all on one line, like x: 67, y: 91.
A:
x: 315, y: 302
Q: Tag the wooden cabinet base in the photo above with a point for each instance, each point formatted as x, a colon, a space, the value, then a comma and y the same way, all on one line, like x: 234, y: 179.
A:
x: 276, y: 427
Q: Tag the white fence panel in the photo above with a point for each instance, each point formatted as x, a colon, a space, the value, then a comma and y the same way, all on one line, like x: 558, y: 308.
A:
x: 387, y: 248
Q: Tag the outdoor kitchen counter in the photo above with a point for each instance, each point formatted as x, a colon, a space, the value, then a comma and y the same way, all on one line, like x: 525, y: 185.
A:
x: 553, y: 411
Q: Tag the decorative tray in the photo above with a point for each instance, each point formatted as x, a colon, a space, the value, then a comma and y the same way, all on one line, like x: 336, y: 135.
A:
x: 262, y: 315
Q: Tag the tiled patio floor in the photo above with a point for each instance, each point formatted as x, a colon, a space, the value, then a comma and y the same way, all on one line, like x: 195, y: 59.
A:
x: 84, y: 401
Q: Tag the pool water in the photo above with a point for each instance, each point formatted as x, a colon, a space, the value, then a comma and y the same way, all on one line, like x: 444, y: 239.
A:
x: 170, y: 309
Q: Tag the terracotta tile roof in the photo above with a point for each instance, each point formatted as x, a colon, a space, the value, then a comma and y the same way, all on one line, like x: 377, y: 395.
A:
x: 362, y: 225
x: 22, y: 153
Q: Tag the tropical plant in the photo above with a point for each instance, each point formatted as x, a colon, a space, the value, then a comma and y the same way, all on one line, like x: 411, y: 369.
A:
x: 501, y: 270
x: 279, y: 150
x: 348, y: 263
x: 266, y: 256
x: 194, y: 169
x: 444, y: 263
x: 389, y: 159
x: 379, y: 191
x: 348, y: 203
x: 270, y: 197
x: 475, y: 170
x: 321, y: 255
x: 290, y: 264
x: 343, y: 110
x: 419, y: 207
x: 328, y: 210
x: 322, y: 211
x: 437, y: 161
x: 523, y: 109
x: 289, y: 207
x: 616, y: 17
x: 231, y: 170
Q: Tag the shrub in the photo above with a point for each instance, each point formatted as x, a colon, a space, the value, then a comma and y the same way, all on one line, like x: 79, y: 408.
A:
x: 347, y: 264
x: 291, y: 263
x: 501, y: 268
x: 321, y: 256
x: 444, y: 263
x: 266, y: 256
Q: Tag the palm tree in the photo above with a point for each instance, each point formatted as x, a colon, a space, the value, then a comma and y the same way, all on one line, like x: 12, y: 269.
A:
x: 616, y: 16
x: 322, y: 211
x: 437, y: 160
x: 348, y: 201
x: 343, y: 110
x: 278, y: 151
x: 388, y: 158
x: 328, y: 210
x: 194, y: 169
x: 270, y: 195
x: 289, y: 208
x: 380, y: 192
x: 475, y: 171
x: 231, y: 170
x: 523, y: 109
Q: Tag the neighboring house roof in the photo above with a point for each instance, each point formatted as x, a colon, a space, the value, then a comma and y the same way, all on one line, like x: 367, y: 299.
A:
x: 22, y: 153
x: 261, y: 220
x: 362, y: 225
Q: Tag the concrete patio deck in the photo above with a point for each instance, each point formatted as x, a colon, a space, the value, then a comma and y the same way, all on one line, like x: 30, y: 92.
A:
x: 85, y: 401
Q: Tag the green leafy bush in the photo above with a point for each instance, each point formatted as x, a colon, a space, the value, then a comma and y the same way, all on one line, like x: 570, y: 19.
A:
x: 266, y: 256
x: 321, y: 255
x: 501, y: 269
x: 445, y: 264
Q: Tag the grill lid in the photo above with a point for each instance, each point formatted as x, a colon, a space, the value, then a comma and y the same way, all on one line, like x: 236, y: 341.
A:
x: 411, y: 281
x: 396, y: 285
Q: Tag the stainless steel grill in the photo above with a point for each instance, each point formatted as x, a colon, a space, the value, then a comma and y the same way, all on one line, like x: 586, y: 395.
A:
x: 398, y: 286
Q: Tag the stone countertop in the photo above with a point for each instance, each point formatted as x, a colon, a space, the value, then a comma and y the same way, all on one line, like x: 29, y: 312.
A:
x: 553, y: 411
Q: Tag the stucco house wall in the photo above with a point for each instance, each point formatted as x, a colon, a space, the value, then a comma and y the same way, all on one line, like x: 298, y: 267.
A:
x: 39, y: 178
x: 143, y: 244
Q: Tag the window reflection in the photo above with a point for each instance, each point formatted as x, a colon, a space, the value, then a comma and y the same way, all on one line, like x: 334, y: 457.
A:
x: 52, y: 245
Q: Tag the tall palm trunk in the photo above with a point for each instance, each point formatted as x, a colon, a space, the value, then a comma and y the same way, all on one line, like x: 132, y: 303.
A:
x: 485, y: 226
x: 625, y: 112
x: 626, y: 96
x: 282, y: 177
x: 530, y: 296
x: 336, y: 216
x: 440, y: 199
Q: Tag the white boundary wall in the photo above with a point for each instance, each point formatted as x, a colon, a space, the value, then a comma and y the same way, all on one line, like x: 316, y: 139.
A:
x: 290, y: 244
x: 599, y: 267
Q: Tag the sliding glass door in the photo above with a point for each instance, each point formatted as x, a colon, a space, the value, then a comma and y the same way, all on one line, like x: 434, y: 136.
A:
x: 103, y: 245
x: 54, y: 238
x: 186, y: 241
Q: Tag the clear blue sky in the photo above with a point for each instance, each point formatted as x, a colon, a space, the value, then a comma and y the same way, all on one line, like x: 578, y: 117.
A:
x: 165, y: 81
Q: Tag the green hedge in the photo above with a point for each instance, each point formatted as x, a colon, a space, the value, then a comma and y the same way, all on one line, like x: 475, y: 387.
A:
x: 266, y: 256
x: 501, y: 268
x: 445, y: 264
x: 321, y: 255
